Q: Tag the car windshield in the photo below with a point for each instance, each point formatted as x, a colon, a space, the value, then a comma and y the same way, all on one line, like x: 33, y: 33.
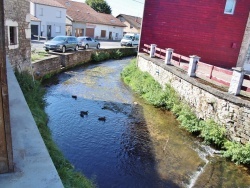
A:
x: 59, y: 39
x: 128, y: 37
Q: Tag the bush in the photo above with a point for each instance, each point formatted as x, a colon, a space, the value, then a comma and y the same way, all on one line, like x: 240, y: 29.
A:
x: 188, y: 119
x: 213, y: 133
x: 116, y: 54
x: 237, y: 152
x: 100, y: 56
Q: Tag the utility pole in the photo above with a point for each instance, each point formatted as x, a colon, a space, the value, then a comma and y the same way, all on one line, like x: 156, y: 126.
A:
x: 6, y: 156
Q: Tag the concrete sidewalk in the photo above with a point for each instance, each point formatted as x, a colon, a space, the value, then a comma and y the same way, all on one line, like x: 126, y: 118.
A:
x: 32, y: 163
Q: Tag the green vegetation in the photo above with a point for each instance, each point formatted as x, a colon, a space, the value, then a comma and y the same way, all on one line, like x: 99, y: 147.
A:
x: 114, y: 54
x: 212, y: 133
x: 100, y: 6
x: 239, y: 153
x: 38, y: 55
x: 34, y: 93
x: 100, y: 56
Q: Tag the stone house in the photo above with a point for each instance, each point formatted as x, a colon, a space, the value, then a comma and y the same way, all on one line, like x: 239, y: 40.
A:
x: 133, y: 23
x: 52, y: 16
x: 216, y: 31
x: 17, y: 33
x: 82, y: 20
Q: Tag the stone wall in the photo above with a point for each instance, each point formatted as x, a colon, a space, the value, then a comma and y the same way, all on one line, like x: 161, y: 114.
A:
x: 59, y: 61
x: 207, y: 102
x: 17, y: 14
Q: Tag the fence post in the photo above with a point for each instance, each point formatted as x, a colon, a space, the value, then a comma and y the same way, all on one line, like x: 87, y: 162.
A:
x: 192, y: 65
x: 168, y: 58
x: 236, y: 81
x: 152, y: 50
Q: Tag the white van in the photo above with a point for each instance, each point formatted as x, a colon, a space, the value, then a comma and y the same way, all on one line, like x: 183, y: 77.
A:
x: 130, y: 39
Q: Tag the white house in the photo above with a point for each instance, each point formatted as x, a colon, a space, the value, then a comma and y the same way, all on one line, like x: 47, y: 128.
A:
x: 82, y: 20
x: 50, y: 18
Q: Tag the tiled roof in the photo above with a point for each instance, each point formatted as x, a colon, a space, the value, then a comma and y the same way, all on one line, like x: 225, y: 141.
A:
x: 81, y: 12
x: 52, y: 3
x: 133, y: 20
x: 33, y: 18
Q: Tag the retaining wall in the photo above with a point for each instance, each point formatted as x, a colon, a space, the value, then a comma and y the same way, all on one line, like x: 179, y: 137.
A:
x: 59, y: 61
x: 206, y: 101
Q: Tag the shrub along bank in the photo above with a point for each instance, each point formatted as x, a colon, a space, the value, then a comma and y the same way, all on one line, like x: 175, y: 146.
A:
x: 114, y: 54
x: 34, y: 93
x: 212, y: 133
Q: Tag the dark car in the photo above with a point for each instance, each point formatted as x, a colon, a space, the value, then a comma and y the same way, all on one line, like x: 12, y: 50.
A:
x: 62, y: 43
x: 87, y: 42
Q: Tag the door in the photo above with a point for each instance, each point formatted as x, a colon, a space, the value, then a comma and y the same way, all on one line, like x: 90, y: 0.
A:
x: 90, y: 32
x: 49, y: 31
x: 34, y: 31
x: 110, y: 35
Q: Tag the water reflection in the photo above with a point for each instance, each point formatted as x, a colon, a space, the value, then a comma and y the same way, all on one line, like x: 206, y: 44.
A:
x: 137, y: 145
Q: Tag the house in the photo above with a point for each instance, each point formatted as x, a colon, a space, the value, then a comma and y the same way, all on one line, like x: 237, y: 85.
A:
x: 216, y: 31
x: 82, y: 20
x: 133, y: 23
x: 17, y: 33
x: 48, y: 18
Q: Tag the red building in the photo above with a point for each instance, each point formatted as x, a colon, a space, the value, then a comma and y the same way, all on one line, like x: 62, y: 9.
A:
x: 216, y: 30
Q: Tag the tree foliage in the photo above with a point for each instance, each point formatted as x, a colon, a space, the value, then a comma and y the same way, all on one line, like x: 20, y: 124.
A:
x: 99, y: 6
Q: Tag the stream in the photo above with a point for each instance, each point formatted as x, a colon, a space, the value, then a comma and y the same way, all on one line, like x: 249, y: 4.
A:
x: 124, y: 142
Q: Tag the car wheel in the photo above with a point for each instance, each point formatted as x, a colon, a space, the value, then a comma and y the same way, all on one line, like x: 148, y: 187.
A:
x: 63, y: 49
x: 86, y: 46
x: 76, y: 48
x: 98, y: 46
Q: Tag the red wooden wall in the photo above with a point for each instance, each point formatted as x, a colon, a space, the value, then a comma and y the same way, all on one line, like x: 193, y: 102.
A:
x: 196, y: 27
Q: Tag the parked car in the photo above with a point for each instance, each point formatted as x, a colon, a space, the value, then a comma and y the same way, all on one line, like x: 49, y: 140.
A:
x: 130, y: 39
x: 62, y: 43
x: 87, y: 42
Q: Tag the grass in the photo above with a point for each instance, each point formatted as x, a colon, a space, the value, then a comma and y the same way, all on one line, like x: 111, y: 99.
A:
x: 34, y: 93
x: 144, y: 85
x: 38, y: 55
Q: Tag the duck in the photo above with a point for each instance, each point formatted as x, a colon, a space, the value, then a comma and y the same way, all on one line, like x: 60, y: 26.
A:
x: 74, y: 97
x: 84, y: 112
x: 102, y: 118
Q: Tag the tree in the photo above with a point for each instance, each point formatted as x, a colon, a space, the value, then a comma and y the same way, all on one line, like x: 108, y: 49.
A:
x: 99, y: 6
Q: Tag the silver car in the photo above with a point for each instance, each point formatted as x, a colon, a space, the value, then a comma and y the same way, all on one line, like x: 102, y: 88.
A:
x: 62, y: 43
x: 87, y: 42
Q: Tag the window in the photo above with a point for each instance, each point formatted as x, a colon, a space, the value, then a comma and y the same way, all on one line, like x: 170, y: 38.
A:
x: 41, y: 12
x: 103, y: 33
x: 58, y: 14
x: 13, y: 35
x: 58, y: 29
x: 230, y: 6
x: 116, y: 35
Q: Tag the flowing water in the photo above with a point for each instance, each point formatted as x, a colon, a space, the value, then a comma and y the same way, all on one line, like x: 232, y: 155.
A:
x: 135, y: 145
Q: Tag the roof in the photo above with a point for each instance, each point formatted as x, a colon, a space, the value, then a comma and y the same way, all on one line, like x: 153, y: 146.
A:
x: 81, y: 12
x: 52, y: 3
x: 133, y: 20
x: 33, y: 18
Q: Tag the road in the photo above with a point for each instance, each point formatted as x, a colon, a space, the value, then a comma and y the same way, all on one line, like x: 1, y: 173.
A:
x: 38, y: 45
